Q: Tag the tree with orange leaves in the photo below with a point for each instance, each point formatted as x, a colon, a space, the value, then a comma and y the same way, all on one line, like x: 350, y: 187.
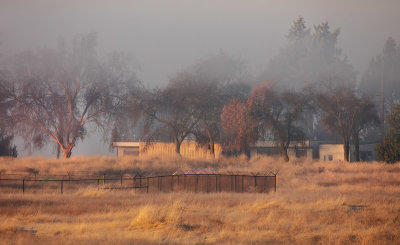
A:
x: 239, y: 130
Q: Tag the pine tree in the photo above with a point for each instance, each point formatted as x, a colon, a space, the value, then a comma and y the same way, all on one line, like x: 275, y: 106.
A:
x: 389, y: 149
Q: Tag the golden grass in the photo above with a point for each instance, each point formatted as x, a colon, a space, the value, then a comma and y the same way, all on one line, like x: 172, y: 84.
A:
x: 315, y: 203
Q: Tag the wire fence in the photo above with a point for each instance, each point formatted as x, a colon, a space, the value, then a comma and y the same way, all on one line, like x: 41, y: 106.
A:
x: 204, y: 183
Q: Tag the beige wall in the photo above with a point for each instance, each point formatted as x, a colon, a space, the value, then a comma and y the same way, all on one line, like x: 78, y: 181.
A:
x: 189, y: 150
x: 333, y: 150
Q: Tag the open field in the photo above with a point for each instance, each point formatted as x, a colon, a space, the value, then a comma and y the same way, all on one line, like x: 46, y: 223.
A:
x: 315, y: 203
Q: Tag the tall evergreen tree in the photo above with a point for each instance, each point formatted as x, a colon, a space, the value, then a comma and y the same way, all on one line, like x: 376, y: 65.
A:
x: 389, y: 149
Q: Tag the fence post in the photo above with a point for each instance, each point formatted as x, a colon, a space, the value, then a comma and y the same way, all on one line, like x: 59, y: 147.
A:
x: 197, y: 183
x: 231, y: 182
x: 147, y: 184
x: 220, y: 183
x: 255, y: 183
x: 23, y: 186
x: 62, y: 187
x: 98, y: 183
x: 140, y: 181
x: 242, y: 183
x: 216, y: 183
x: 235, y: 183
x: 104, y: 179
x: 121, y: 180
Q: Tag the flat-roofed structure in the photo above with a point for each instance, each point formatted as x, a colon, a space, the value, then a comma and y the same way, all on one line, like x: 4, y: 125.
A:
x: 127, y: 148
x: 189, y: 149
x: 335, y: 152
x: 297, y: 149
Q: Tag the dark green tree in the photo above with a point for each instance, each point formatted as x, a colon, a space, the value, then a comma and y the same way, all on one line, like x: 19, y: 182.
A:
x: 310, y: 56
x: 389, y: 149
x: 6, y: 146
x: 383, y: 72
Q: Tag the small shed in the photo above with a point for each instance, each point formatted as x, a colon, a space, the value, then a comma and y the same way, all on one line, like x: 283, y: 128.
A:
x: 127, y: 148
x: 331, y: 152
x: 189, y: 149
x: 297, y: 149
x: 335, y: 152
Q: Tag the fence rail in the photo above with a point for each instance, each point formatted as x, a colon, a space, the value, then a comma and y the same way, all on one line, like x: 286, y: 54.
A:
x: 204, y: 183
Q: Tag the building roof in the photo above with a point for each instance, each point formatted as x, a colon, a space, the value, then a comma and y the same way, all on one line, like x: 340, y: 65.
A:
x: 126, y: 144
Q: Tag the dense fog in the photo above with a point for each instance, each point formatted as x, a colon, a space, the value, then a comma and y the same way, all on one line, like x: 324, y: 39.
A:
x: 166, y: 37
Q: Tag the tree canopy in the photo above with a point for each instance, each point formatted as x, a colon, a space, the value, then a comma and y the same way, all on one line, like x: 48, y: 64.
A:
x: 58, y: 92
x: 310, y: 56
x: 389, y: 149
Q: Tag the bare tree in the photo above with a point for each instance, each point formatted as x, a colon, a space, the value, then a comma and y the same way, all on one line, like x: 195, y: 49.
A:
x: 58, y: 92
x: 280, y: 114
x: 346, y: 114
x: 170, y: 110
x: 366, y: 117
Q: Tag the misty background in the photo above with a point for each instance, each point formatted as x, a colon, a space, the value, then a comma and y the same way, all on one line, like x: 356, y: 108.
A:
x: 164, y: 37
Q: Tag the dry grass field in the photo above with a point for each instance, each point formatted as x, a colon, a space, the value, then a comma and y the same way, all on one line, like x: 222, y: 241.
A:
x: 315, y: 203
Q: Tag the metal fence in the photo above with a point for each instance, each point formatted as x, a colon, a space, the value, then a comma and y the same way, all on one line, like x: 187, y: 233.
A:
x: 204, y: 183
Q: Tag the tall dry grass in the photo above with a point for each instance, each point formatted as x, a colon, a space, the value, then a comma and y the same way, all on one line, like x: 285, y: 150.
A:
x: 315, y: 203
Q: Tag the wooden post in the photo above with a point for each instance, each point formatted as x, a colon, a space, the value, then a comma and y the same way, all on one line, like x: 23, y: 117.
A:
x: 219, y: 183
x: 235, y: 183
x: 98, y: 183
x: 147, y: 184
x: 23, y: 186
x: 196, y: 184
x: 216, y: 183
x: 62, y: 187
x: 104, y: 179
x: 207, y: 183
x: 121, y: 180
x: 242, y: 183
x: 255, y: 183
x: 275, y: 183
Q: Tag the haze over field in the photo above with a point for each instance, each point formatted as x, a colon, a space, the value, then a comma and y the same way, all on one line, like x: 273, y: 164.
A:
x: 164, y: 37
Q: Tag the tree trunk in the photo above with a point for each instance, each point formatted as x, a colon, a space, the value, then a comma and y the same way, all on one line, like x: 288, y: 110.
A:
x: 58, y: 151
x: 178, y: 145
x: 346, y: 150
x: 67, y: 153
x: 284, y: 153
x: 356, y: 147
x: 67, y: 150
x: 212, y: 143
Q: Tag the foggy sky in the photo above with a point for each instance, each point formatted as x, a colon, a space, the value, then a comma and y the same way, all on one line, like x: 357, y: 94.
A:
x: 168, y: 35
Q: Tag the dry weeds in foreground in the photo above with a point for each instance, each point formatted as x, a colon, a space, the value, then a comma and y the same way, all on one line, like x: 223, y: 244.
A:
x: 315, y: 203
